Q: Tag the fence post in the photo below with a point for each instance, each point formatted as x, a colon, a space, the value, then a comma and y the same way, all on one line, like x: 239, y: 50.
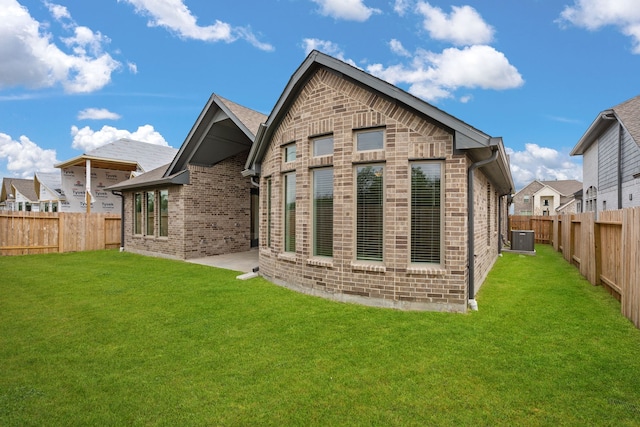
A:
x: 597, y: 241
x: 61, y: 225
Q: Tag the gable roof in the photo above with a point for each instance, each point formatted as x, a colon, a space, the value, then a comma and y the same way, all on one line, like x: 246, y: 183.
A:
x: 478, y: 144
x: 25, y: 187
x: 626, y: 113
x: 51, y: 180
x: 222, y: 130
x: 567, y: 187
x: 124, y: 154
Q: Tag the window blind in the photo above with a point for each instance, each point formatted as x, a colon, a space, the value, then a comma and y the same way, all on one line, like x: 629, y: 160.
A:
x: 323, y: 212
x: 290, y: 212
x: 370, y: 213
x: 426, y: 201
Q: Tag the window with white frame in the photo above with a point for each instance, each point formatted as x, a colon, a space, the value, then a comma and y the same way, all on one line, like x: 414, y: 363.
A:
x: 370, y: 213
x: 426, y: 212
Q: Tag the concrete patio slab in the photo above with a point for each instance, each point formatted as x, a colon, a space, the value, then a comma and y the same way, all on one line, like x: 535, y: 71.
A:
x: 243, y: 262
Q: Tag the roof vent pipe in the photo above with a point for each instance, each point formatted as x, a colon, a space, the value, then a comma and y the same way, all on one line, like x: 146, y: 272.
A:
x: 471, y: 250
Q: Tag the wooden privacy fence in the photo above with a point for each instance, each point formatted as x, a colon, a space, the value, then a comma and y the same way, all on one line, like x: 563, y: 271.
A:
x: 541, y: 225
x: 24, y: 233
x: 606, y: 250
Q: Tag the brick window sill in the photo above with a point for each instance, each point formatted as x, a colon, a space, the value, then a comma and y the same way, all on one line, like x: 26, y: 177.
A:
x: 320, y: 261
x: 287, y: 256
x: 365, y: 266
x: 435, y: 270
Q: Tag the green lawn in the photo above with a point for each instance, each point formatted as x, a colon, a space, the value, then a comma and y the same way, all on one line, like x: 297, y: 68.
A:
x: 110, y: 338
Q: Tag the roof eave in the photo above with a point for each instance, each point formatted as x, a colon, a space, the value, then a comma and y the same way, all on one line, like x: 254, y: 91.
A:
x: 180, y: 178
x: 593, y: 132
x: 81, y: 160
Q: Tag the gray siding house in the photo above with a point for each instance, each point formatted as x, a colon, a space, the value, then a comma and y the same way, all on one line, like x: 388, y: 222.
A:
x: 611, y: 158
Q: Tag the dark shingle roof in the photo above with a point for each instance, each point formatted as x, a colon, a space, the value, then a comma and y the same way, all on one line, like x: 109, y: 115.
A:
x: 629, y: 114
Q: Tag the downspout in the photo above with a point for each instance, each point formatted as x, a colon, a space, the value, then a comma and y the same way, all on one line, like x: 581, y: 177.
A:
x: 620, y: 165
x: 119, y: 194
x: 471, y: 250
x: 500, y: 207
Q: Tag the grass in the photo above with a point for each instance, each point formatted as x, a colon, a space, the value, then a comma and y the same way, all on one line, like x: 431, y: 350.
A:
x: 109, y: 338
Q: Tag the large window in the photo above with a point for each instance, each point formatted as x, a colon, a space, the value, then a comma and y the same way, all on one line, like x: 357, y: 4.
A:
x: 137, y: 213
x: 370, y: 213
x: 164, y: 213
x: 150, y: 213
x: 323, y: 212
x: 426, y: 212
x: 290, y: 212
x: 269, y: 212
x: 370, y: 140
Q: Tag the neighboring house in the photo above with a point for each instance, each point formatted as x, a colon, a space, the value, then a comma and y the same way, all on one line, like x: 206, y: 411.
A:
x: 48, y: 188
x: 84, y: 178
x: 610, y: 151
x: 547, y: 198
x: 18, y: 195
x: 199, y: 204
x: 371, y: 195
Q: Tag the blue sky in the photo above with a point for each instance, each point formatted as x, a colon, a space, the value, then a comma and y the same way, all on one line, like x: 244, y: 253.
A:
x: 78, y: 74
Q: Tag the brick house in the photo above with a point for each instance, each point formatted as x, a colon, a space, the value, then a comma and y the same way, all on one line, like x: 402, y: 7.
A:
x: 610, y: 151
x: 199, y: 204
x: 548, y: 198
x: 373, y: 196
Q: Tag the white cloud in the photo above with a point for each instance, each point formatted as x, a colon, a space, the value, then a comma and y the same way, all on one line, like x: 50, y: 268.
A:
x: 327, y: 47
x: 397, y: 48
x: 174, y: 15
x: 401, y: 6
x: 133, y: 68
x: 437, y: 75
x: 86, y: 139
x: 463, y: 26
x: 350, y: 10
x: 542, y: 163
x: 59, y: 12
x: 31, y: 59
x: 24, y: 157
x: 595, y: 14
x: 97, y: 114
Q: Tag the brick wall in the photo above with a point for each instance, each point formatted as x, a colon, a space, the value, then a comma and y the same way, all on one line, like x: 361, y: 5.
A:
x: 208, y: 216
x: 329, y: 104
